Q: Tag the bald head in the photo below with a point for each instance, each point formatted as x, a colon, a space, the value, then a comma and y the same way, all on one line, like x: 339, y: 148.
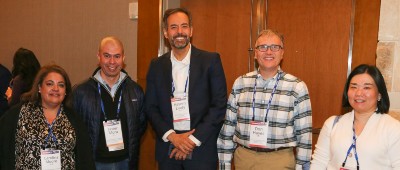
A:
x: 111, y: 58
x: 113, y: 41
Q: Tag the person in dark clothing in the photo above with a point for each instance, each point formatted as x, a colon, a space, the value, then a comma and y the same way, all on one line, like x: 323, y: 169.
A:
x: 111, y: 105
x: 25, y: 68
x: 43, y: 132
x: 5, y: 78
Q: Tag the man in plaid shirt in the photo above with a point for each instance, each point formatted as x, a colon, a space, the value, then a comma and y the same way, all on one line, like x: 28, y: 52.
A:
x: 268, y: 122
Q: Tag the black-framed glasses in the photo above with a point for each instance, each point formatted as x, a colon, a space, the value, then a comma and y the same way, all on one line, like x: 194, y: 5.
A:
x: 273, y: 47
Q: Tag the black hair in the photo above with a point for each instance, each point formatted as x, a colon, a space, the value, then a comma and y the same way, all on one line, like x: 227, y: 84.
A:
x: 26, y: 65
x: 384, y: 103
x: 169, y: 12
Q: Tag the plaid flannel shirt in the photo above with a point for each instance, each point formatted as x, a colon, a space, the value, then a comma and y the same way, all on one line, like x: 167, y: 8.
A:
x: 290, y: 121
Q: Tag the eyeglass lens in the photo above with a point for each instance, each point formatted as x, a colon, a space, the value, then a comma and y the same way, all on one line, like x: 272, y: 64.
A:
x: 264, y: 48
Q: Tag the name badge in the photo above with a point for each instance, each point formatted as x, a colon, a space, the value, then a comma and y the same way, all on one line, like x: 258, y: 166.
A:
x: 181, y: 115
x: 113, y: 133
x: 258, y: 134
x: 50, y: 159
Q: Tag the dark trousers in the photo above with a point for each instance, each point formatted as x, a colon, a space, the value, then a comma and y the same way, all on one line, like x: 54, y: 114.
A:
x: 121, y: 165
x: 172, y: 164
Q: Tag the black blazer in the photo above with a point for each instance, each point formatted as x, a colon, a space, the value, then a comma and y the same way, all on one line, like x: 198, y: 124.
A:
x: 207, y: 101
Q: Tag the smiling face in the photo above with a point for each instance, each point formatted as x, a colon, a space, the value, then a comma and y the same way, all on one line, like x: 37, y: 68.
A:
x: 363, y: 94
x: 269, y: 61
x: 111, y: 58
x: 178, y: 30
x: 52, y: 90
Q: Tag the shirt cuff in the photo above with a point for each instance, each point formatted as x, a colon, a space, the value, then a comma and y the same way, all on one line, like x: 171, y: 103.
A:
x: 166, y: 134
x: 195, y: 140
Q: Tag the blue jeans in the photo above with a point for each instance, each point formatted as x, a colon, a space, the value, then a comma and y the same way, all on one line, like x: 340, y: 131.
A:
x: 121, y: 165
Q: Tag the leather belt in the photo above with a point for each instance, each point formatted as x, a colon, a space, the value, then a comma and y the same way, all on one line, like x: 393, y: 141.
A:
x: 263, y: 149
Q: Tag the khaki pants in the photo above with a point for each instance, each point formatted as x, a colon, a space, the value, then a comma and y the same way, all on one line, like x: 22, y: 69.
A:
x: 245, y: 159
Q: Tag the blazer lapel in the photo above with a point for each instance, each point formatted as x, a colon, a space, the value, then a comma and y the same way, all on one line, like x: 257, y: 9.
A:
x: 194, y: 68
x: 167, y: 69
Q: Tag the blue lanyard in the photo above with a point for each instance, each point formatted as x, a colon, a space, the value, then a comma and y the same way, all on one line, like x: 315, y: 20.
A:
x: 50, y: 130
x: 186, y: 83
x: 353, y: 145
x: 102, y: 104
x: 270, y: 99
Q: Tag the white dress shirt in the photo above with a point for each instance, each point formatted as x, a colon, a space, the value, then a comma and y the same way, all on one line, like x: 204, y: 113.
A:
x: 180, y: 73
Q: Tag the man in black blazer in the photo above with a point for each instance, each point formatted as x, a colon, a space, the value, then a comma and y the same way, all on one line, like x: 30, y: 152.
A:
x: 185, y: 99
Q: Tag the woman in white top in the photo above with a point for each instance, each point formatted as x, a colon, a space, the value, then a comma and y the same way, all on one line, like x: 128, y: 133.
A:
x: 365, y: 138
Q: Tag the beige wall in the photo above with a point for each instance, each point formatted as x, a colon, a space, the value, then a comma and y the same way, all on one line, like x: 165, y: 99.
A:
x: 66, y: 32
x: 388, y: 51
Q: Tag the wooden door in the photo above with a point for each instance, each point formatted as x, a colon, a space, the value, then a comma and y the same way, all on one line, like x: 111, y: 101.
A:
x: 316, y: 48
x: 148, y: 33
x: 317, y: 36
x: 223, y: 26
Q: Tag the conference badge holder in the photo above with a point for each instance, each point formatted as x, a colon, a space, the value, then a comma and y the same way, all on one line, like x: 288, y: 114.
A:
x: 50, y: 159
x: 113, y: 133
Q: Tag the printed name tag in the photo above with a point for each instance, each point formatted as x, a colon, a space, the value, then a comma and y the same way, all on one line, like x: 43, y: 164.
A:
x: 50, y: 159
x: 113, y: 133
x: 181, y: 115
x: 258, y: 134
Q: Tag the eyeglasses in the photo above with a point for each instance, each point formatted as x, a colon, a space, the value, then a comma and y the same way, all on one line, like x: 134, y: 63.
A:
x: 273, y: 47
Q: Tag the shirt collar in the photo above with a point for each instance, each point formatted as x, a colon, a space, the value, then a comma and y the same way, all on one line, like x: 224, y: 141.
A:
x: 98, y: 77
x: 186, y: 60
x: 273, y: 78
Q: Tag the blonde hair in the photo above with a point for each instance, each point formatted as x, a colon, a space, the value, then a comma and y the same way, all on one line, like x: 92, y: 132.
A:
x: 269, y: 32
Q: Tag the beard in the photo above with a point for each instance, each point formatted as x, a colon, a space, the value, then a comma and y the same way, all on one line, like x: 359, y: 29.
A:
x: 179, y: 44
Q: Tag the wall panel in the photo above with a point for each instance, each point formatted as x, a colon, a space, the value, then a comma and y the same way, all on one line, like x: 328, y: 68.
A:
x: 316, y: 33
x: 66, y: 32
x: 223, y: 26
x: 316, y: 48
x: 148, y: 31
x: 366, y: 29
